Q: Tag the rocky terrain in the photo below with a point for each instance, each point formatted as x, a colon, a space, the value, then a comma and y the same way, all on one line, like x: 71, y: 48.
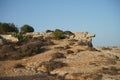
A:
x: 72, y: 58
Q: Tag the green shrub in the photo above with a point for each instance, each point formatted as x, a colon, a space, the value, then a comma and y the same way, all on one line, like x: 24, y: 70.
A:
x: 19, y: 36
x: 31, y: 48
x: 7, y: 27
x: 58, y: 34
x: 47, y: 31
x: 68, y: 33
x: 26, y: 28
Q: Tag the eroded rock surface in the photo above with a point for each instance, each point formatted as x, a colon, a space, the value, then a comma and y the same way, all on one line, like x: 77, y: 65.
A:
x: 83, y: 62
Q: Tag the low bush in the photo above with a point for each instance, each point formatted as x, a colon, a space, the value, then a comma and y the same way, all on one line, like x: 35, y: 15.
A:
x: 70, y: 52
x: 47, y: 31
x: 58, y: 34
x: 72, y: 42
x: 58, y: 55
x: 51, y: 65
x: 13, y: 51
x: 19, y: 36
x: 106, y: 48
x: 19, y: 65
x: 7, y: 27
x: 31, y: 48
x: 85, y: 43
x: 8, y: 52
x: 68, y: 33
x: 67, y: 47
x: 7, y: 49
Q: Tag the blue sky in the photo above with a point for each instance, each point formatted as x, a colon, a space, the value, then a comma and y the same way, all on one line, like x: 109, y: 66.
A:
x: 101, y: 17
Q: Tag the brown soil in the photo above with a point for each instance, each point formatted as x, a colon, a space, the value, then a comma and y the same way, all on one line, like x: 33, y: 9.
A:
x: 82, y: 64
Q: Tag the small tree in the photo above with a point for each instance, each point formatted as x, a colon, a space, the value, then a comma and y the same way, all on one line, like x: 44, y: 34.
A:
x: 8, y: 27
x: 21, y: 37
x: 26, y: 28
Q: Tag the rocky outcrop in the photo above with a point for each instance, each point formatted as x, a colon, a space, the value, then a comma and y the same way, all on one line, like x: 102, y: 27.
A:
x: 39, y: 34
x: 9, y: 37
x: 84, y: 38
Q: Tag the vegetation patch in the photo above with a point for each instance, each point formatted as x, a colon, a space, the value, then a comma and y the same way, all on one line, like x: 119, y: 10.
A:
x: 26, y: 48
x: 58, y: 55
x: 58, y: 34
x: 19, y: 65
x: 70, y: 52
x: 47, y: 31
x: 7, y: 28
x: 51, y: 65
x: 26, y: 28
x: 106, y: 48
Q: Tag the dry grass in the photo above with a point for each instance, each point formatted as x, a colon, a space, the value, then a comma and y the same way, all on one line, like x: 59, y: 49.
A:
x: 51, y: 65
x: 106, y: 48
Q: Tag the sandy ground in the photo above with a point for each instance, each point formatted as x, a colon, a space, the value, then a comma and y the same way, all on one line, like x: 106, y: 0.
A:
x: 82, y: 65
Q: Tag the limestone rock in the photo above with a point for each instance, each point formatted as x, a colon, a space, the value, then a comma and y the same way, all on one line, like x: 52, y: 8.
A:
x: 39, y: 34
x: 84, y: 38
x: 10, y: 38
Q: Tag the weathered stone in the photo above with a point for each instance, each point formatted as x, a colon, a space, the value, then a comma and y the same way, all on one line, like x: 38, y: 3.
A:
x: 10, y: 38
x: 84, y: 38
